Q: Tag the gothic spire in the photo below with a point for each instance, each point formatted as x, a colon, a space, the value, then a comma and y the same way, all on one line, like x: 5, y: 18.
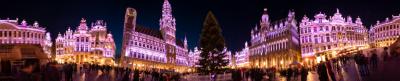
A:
x: 166, y: 10
x: 167, y: 20
x: 245, y: 44
x: 337, y: 10
x: 185, y: 41
x: 166, y: 5
x: 167, y: 23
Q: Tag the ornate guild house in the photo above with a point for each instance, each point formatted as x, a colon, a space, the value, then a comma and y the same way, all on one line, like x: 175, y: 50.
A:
x: 275, y: 44
x: 21, y: 43
x: 194, y: 56
x: 149, y: 48
x: 84, y: 45
x: 242, y: 57
x: 385, y: 33
x: 328, y: 37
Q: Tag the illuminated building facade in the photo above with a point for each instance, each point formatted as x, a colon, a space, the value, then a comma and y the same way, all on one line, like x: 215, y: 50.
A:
x: 145, y: 47
x: 84, y: 45
x: 328, y: 37
x: 275, y: 44
x: 229, y: 57
x: 194, y: 56
x: 22, y: 43
x: 242, y: 57
x: 385, y: 33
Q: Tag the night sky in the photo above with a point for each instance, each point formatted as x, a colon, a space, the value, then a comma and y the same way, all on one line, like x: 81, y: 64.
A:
x: 236, y: 17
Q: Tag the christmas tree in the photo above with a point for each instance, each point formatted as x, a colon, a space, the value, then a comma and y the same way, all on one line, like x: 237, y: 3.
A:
x: 212, y: 46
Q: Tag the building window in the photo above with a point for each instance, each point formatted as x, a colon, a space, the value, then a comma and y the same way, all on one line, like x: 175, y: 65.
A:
x: 334, y: 37
x: 327, y: 38
x: 316, y: 39
x: 135, y: 55
x: 333, y: 28
x: 15, y: 34
x: 30, y: 36
x: 19, y: 34
x: 321, y: 28
x: 315, y: 29
x: 326, y: 28
x: 322, y: 39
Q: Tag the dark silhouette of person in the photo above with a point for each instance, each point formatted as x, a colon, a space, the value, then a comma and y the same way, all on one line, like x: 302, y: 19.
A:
x: 126, y: 76
x: 136, y: 75
x: 68, y: 72
x: 385, y: 54
x: 236, y: 76
x: 304, y: 73
x: 329, y: 69
x: 52, y: 72
x: 374, y: 60
x: 289, y: 74
x: 323, y: 75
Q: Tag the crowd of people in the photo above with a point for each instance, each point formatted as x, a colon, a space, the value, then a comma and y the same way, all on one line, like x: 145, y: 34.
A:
x: 327, y: 70
x: 53, y: 71
x: 366, y: 63
x: 270, y: 74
